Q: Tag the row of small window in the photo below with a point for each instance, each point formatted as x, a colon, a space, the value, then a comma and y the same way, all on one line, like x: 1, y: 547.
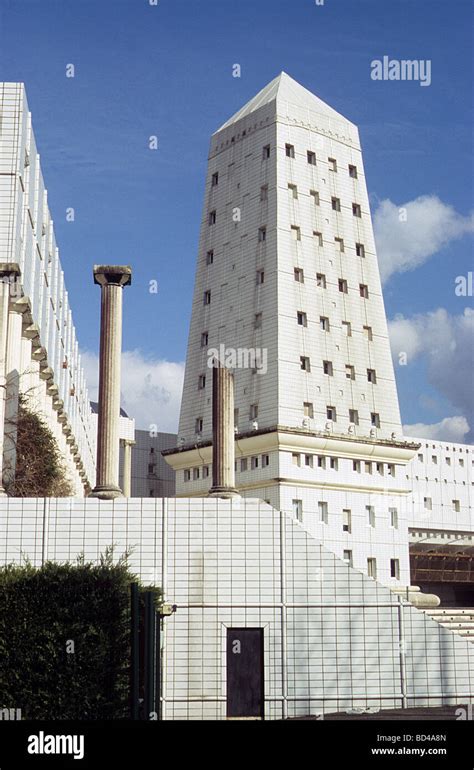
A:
x: 372, y: 565
x: 447, y: 460
x: 299, y: 276
x: 428, y: 504
x: 321, y: 462
x: 323, y: 515
x: 295, y: 229
x: 331, y: 414
x: 328, y: 369
x: 311, y: 158
x: 302, y: 320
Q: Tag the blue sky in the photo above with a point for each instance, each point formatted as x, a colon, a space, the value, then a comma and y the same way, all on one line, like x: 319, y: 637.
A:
x: 166, y: 70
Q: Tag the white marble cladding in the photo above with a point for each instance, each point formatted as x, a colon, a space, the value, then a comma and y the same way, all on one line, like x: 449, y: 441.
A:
x: 333, y: 638
x: 27, y: 238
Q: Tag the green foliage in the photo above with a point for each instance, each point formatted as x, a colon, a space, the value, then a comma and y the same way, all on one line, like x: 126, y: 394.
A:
x: 41, y: 612
x: 39, y: 470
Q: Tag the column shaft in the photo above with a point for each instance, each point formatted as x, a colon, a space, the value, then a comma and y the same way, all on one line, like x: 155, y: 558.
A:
x: 223, y: 441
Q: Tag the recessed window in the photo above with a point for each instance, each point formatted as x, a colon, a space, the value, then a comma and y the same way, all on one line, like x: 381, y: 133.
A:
x: 339, y: 243
x: 253, y: 411
x: 315, y: 197
x: 299, y: 274
x: 308, y: 461
x: 264, y: 193
x: 356, y: 466
x: 331, y: 413
x: 215, y: 179
x: 448, y: 461
x: 321, y: 280
x: 296, y: 233
x: 379, y: 467
x: 372, y: 568
x: 347, y: 328
x: 311, y: 157
x: 347, y: 557
x: 297, y: 506
x: 243, y: 464
x: 262, y: 234
x: 372, y: 376
x: 301, y: 318
x: 254, y: 463
x: 308, y: 409
x: 323, y: 512
x: 395, y: 569
x: 364, y: 290
x: 289, y: 151
x: 266, y: 152
x: 207, y: 297
x: 327, y: 368
x: 236, y: 416
x: 420, y: 458
x: 391, y: 469
x: 356, y: 210
x: 434, y: 459
x: 204, y: 339
x: 198, y: 423
x: 212, y: 217
x: 375, y: 419
x: 336, y: 204
x: 393, y: 518
x: 258, y: 320
x: 332, y: 164
x: 360, y: 249
x: 210, y: 257
x: 195, y: 474
x: 324, y: 323
x: 354, y: 416
x: 321, y: 461
x: 187, y: 475
x: 333, y: 463
x: 293, y: 190
x: 318, y: 238
x: 346, y: 520
x: 202, y: 382
x: 353, y: 171
x: 205, y: 471
x: 305, y: 363
x: 342, y: 285
x: 265, y: 461
x: 368, y: 467
x: 296, y: 459
x: 350, y: 372
x: 428, y: 503
x: 260, y: 277
x: 461, y: 462
x: 370, y: 511
x: 456, y: 506
x: 368, y: 333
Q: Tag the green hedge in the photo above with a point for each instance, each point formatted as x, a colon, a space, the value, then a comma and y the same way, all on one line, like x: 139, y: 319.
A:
x: 41, y: 612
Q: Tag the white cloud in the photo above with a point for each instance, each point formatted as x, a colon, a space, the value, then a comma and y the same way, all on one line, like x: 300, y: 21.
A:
x: 405, y: 245
x: 446, y: 344
x: 450, y: 429
x: 151, y: 389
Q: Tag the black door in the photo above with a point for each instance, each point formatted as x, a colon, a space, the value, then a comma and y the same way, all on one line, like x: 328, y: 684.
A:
x: 245, y: 684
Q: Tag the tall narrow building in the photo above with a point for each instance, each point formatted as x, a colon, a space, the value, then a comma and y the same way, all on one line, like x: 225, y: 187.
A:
x: 288, y: 294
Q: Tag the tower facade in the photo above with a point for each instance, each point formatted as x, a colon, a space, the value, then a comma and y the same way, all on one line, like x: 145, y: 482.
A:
x: 288, y: 295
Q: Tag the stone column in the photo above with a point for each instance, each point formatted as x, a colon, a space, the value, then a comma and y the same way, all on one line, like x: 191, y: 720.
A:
x: 127, y: 467
x: 223, y: 441
x: 111, y: 279
x: 13, y: 375
x: 9, y: 271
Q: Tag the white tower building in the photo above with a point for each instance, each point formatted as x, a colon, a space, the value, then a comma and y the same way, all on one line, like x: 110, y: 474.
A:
x: 288, y: 294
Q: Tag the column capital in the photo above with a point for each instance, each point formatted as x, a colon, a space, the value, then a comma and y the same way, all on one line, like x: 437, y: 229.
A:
x: 9, y: 270
x: 117, y: 275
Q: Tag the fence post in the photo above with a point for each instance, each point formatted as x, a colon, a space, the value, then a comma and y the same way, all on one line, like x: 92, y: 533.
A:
x: 135, y: 652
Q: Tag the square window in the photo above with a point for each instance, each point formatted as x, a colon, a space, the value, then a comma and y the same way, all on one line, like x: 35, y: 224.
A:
x: 350, y: 372
x: 327, y: 368
x: 321, y: 280
x: 254, y: 463
x: 266, y: 152
x: 333, y: 463
x: 356, y: 210
x: 315, y: 196
x: 354, y: 416
x: 299, y: 274
x: 289, y: 151
x: 375, y: 419
x: 347, y: 328
x: 311, y: 157
x: 342, y: 285
x: 308, y: 409
x: 212, y: 217
x: 360, y: 249
x: 243, y: 465
x: 215, y: 179
x: 296, y: 232
x: 353, y: 171
x: 331, y: 413
x: 318, y: 237
x: 321, y: 461
x: 364, y: 290
x: 324, y: 323
x: 210, y: 257
x: 301, y: 318
x: 336, y: 204
x: 262, y: 234
x: 308, y: 461
x: 339, y: 243
x: 296, y: 459
x: 305, y: 363
x: 368, y: 333
x: 293, y: 189
x: 372, y: 376
x: 265, y: 461
x: 332, y: 164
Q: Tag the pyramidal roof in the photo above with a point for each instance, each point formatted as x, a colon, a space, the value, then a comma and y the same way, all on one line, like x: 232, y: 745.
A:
x: 284, y: 89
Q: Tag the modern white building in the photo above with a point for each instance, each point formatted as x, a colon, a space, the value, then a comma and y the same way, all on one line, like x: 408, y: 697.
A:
x: 39, y: 351
x: 151, y: 476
